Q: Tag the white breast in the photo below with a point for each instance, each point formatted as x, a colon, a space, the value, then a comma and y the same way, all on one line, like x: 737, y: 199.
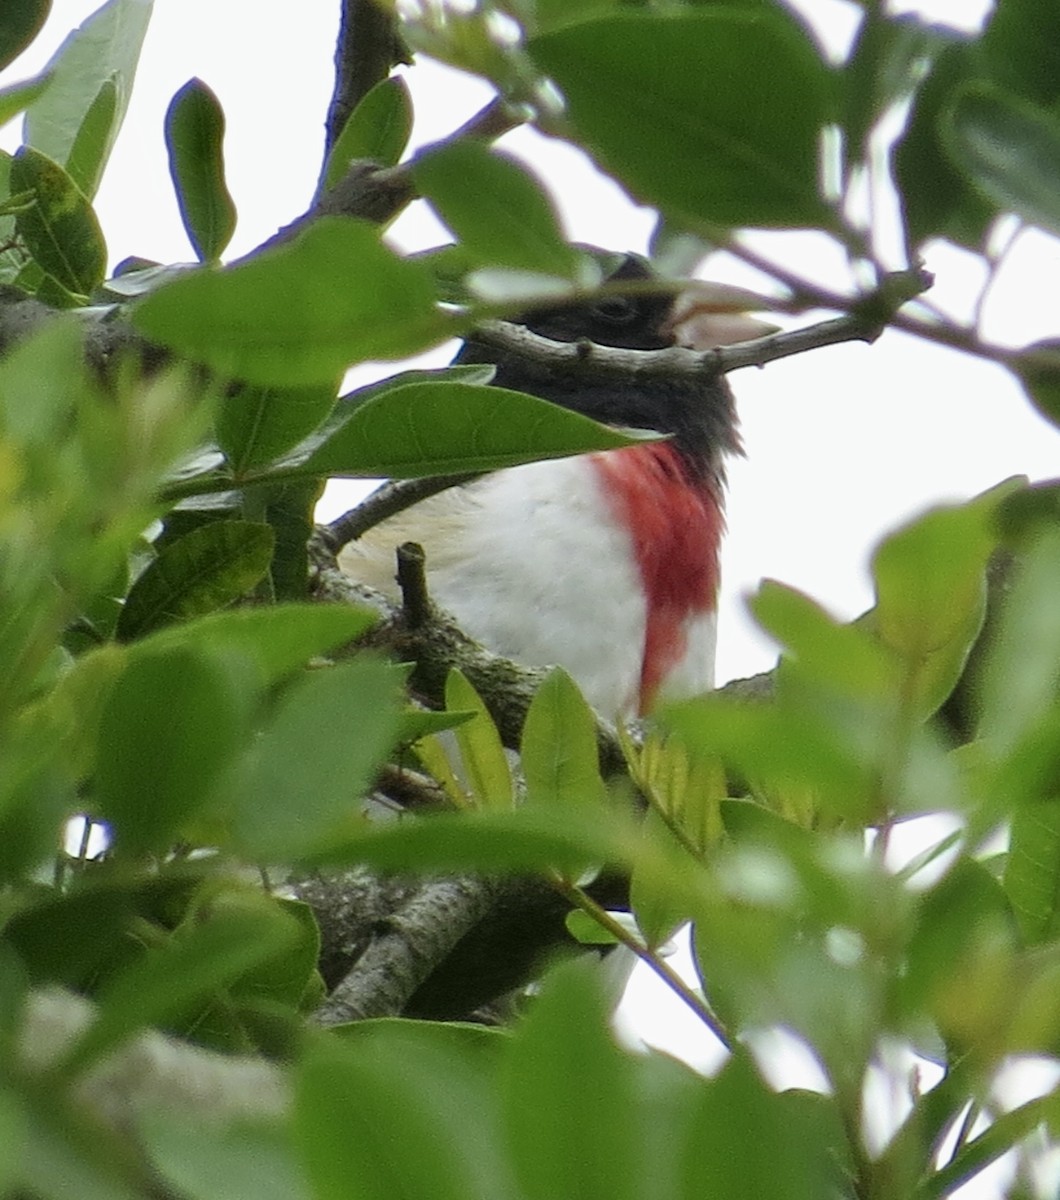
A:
x: 532, y: 564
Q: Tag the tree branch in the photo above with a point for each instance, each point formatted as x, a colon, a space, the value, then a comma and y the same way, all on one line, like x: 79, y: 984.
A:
x: 407, y: 947
x: 385, y: 502
x: 366, y: 49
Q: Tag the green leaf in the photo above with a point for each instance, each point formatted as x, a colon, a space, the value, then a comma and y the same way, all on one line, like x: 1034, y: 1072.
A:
x: 964, y: 912
x: 59, y: 228
x: 300, y: 313
x: 400, y: 1075
x: 1032, y: 869
x: 21, y: 24
x: 106, y: 47
x: 743, y: 1138
x: 482, y: 758
x: 659, y: 906
x: 559, y: 755
x: 300, y: 789
x: 1038, y: 370
x: 931, y: 594
x: 1021, y: 674
x: 562, y: 1053
x: 88, y: 154
x: 171, y: 724
x: 525, y: 839
x: 205, y: 570
x: 197, y: 960
x: 203, y: 1159
x: 496, y: 207
x: 1009, y: 150
x: 936, y: 198
x: 18, y: 96
x: 741, y: 95
x: 1021, y: 49
x: 781, y: 746
x: 841, y: 657
x: 195, y: 127
x: 255, y: 424
x: 378, y: 129
x: 279, y: 639
x: 453, y: 428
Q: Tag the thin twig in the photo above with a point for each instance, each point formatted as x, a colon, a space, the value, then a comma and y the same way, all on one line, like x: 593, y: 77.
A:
x: 664, y: 971
x: 385, y: 502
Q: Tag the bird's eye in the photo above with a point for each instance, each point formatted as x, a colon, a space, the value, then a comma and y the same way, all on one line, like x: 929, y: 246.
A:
x: 616, y: 310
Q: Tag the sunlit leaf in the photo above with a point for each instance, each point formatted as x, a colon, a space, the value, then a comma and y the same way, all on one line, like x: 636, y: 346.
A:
x: 483, y: 762
x: 104, y: 48
x: 496, y: 207
x: 195, y: 126
x: 300, y: 313
x: 59, y: 227
x: 714, y: 115
x: 559, y: 756
x: 452, y: 428
x: 378, y: 129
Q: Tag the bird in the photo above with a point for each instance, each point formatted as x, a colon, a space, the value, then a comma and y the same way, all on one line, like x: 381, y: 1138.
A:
x: 606, y: 564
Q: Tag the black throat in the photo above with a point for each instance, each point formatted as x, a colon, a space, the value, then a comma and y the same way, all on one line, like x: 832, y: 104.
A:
x: 700, y: 416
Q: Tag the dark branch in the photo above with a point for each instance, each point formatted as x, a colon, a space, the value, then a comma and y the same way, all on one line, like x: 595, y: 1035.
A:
x: 366, y: 48
x: 412, y: 580
x: 675, y: 362
x: 385, y: 502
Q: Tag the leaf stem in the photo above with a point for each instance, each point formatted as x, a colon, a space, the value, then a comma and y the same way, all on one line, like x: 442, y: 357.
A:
x: 663, y: 970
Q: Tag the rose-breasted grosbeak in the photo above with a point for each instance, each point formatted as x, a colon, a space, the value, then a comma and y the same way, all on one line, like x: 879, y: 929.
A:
x: 606, y: 564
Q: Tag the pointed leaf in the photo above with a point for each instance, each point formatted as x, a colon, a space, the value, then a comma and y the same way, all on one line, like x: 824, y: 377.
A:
x: 453, y: 428
x: 59, y: 228
x: 302, y: 312
x: 178, y: 707
x: 420, y: 1080
x: 18, y: 96
x: 744, y: 1137
x: 931, y: 593
x: 88, y: 154
x: 646, y: 94
x: 301, y: 788
x: 256, y: 424
x: 195, y: 127
x: 482, y: 756
x: 563, y: 1052
x: 496, y: 207
x: 1009, y: 150
x: 559, y: 754
x: 201, y: 572
x: 378, y: 129
x: 104, y: 47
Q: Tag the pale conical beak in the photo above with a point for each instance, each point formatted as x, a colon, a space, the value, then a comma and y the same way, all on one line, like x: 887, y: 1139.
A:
x: 706, y: 315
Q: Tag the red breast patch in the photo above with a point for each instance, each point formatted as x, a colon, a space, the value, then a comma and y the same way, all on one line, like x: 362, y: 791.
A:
x: 676, y: 524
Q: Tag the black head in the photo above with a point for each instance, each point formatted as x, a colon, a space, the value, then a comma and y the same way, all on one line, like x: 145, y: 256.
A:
x: 699, y: 415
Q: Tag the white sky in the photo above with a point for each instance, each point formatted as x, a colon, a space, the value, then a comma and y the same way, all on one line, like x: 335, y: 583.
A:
x: 842, y: 444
